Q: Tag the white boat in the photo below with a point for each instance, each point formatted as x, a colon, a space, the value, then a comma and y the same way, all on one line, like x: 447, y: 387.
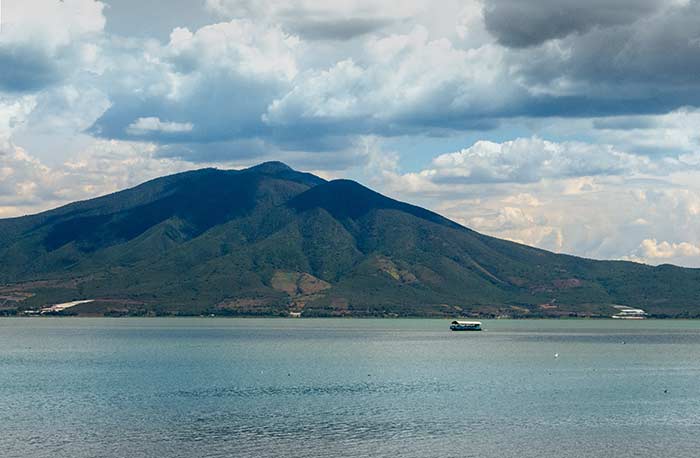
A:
x: 465, y: 325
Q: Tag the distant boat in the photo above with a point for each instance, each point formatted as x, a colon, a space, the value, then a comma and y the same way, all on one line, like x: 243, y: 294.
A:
x: 466, y: 326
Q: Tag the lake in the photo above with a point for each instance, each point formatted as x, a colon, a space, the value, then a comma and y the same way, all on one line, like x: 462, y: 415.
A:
x: 205, y: 387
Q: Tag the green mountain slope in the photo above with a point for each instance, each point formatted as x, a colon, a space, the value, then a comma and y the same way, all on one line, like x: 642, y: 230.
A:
x: 269, y: 240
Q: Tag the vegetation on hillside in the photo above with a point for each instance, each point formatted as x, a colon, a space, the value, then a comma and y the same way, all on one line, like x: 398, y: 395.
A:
x: 270, y: 240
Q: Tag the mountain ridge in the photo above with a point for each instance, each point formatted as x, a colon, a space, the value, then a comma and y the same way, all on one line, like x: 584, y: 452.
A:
x: 269, y: 240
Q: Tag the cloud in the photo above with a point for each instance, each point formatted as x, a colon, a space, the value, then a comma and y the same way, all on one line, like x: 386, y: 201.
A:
x: 40, y: 49
x: 157, y: 19
x: 145, y: 126
x: 523, y: 199
x: 610, y: 221
x: 521, y: 24
x: 258, y: 80
x: 241, y: 82
x: 51, y: 23
x: 505, y: 218
x: 13, y: 114
x: 21, y: 179
x: 337, y: 29
x: 26, y: 68
x: 586, y: 199
x: 410, y: 69
x: 219, y: 79
x: 645, y: 66
x: 317, y: 19
x: 406, y: 82
x: 67, y: 109
x: 651, y: 249
x: 612, y: 86
x: 28, y: 185
x: 668, y: 134
x: 528, y: 160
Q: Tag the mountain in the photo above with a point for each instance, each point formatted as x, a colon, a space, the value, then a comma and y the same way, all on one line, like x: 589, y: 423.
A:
x: 268, y: 240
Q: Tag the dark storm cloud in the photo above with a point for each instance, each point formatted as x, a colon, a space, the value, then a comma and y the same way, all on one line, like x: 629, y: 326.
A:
x: 662, y: 51
x: 519, y: 24
x: 649, y: 66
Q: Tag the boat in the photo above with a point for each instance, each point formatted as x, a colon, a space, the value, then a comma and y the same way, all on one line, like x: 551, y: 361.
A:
x: 465, y: 325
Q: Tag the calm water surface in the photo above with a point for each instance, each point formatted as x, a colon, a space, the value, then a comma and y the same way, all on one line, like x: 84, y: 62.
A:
x: 348, y: 388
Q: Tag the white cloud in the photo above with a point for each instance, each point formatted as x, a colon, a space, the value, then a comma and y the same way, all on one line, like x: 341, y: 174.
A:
x: 22, y: 179
x: 514, y: 217
x: 152, y: 124
x: 28, y: 185
x: 111, y: 165
x: 404, y: 81
x: 53, y: 24
x: 523, y: 199
x: 240, y: 46
x: 527, y: 160
x: 651, y: 249
x: 571, y: 197
x: 13, y: 114
x: 675, y: 131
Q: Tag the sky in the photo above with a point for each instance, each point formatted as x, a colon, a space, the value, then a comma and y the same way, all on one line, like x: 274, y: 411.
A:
x: 567, y: 125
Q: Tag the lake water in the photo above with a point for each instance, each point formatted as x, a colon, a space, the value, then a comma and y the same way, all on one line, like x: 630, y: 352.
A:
x: 348, y: 388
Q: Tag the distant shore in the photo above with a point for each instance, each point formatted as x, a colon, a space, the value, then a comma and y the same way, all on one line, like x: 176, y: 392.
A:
x: 347, y: 317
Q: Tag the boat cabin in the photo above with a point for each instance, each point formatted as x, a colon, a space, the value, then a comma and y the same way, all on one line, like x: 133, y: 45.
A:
x: 465, y: 325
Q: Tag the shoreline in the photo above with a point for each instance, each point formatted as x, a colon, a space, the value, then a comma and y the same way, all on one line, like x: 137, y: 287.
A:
x: 268, y: 317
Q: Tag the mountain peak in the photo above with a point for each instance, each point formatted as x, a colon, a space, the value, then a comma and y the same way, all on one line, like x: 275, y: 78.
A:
x: 271, y: 167
x: 280, y: 170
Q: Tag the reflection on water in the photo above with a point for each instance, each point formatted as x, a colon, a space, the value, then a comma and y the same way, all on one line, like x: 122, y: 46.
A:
x: 348, y: 388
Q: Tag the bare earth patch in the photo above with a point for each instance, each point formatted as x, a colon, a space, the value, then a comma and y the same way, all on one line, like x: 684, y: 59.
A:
x: 298, y: 283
